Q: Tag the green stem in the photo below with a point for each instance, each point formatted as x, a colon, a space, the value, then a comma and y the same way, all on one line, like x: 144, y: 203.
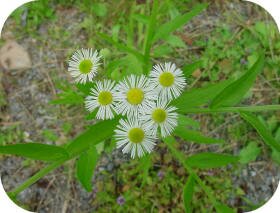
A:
x: 36, y: 177
x: 180, y: 157
x: 233, y: 109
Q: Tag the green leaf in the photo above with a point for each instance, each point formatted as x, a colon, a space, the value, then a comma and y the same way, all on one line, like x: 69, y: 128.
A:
x: 85, y: 88
x: 141, y: 18
x: 195, y: 136
x: 151, y: 28
x: 133, y: 65
x: 115, y: 66
x: 115, y: 32
x: 94, y: 135
x: 249, y: 153
x: 209, y: 160
x: 222, y: 208
x: 275, y: 156
x: 166, y: 29
x: 198, y: 97
x: 262, y: 130
x: 121, y: 47
x: 277, y: 135
x: 85, y: 167
x: 99, y: 9
x: 234, y: 92
x: 35, y: 151
x: 233, y: 109
x: 187, y: 122
x: 190, y: 68
x: 175, y: 41
x: 68, y: 97
x: 188, y: 193
x: 162, y: 50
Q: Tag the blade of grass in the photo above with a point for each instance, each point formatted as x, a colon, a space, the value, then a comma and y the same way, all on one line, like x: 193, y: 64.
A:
x: 149, y: 36
x: 164, y: 30
x: 262, y: 130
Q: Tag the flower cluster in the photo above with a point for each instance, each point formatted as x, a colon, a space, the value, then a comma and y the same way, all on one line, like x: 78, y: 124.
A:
x: 142, y: 100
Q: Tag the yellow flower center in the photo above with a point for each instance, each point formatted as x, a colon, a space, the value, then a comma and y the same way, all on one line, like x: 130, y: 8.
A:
x: 166, y: 79
x: 85, y: 66
x: 105, y: 98
x: 135, y: 96
x: 136, y: 135
x: 159, y: 115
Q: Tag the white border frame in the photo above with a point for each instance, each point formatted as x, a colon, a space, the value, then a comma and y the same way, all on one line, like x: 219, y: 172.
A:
x: 7, y: 206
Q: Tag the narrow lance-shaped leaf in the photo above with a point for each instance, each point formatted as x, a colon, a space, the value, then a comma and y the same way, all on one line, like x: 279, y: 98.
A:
x: 141, y: 18
x: 209, y: 160
x: 35, y: 151
x: 234, y: 92
x: 68, y: 97
x: 85, y: 167
x: 186, y: 121
x: 151, y: 28
x: 188, y: 193
x: 149, y: 36
x: 94, y: 135
x: 262, y: 130
x: 195, y: 136
x: 164, y: 30
x: 197, y: 97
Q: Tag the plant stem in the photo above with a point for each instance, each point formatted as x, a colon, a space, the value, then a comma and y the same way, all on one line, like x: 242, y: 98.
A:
x: 233, y: 109
x: 36, y: 177
x: 180, y: 157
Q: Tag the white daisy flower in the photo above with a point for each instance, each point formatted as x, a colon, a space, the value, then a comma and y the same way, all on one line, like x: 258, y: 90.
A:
x: 134, y: 94
x: 83, y: 65
x: 103, y: 97
x: 160, y: 116
x: 134, y: 138
x: 168, y: 80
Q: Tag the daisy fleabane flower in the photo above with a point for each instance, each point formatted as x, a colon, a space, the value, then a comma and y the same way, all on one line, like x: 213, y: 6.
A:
x: 83, y: 65
x: 160, y: 116
x: 134, y: 94
x: 134, y: 137
x: 103, y: 97
x: 168, y: 80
